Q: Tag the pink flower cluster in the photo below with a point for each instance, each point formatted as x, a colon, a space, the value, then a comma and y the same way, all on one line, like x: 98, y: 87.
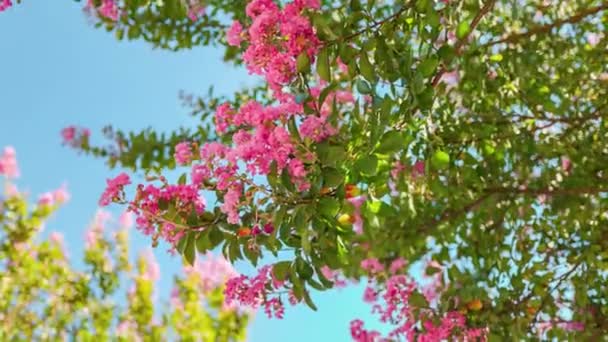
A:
x: 276, y: 38
x: 108, y: 9
x: 152, y: 269
x: 183, y: 153
x: 58, y: 196
x: 254, y: 292
x: 390, y: 300
x: 334, y: 276
x: 4, y: 4
x: 74, y: 136
x: 151, y: 204
x: 114, y: 189
x: 212, y: 271
x: 196, y: 9
x: 8, y: 163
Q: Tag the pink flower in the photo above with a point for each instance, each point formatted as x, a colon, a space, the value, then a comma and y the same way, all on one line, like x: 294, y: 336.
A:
x: 234, y: 36
x: 75, y: 136
x: 152, y: 269
x: 109, y: 9
x: 450, y: 79
x: 183, y: 153
x: 8, y: 163
x: 61, y: 195
x: 316, y: 128
x: 4, y: 4
x: 372, y: 265
x: 418, y: 169
x: 125, y: 220
x: 333, y: 276
x: 370, y: 295
x: 593, y: 38
x: 196, y: 9
x: 566, y: 164
x: 397, y: 265
x: 45, y: 199
x: 56, y: 238
x: 113, y: 188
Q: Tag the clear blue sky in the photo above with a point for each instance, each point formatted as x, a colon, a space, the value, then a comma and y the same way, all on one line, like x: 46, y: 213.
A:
x: 57, y: 70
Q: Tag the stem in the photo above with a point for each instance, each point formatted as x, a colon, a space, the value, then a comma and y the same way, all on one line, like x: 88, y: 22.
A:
x: 543, y: 29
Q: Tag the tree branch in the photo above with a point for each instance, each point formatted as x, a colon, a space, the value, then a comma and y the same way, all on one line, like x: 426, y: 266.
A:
x: 487, y: 7
x: 548, y: 27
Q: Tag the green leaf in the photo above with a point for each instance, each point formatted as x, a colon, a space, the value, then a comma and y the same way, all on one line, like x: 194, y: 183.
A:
x: 202, y: 243
x: 496, y: 58
x: 463, y: 30
x: 182, y: 179
x: 330, y: 155
x: 417, y: 300
x: 323, y: 67
x: 281, y: 270
x: 363, y: 87
x: 329, y: 207
x: 391, y: 142
x: 304, y: 270
x: 286, y: 180
x: 428, y: 66
x: 367, y: 70
x: 189, y: 249
x: 440, y: 160
x: 215, y: 237
x: 332, y: 177
x: 342, y: 251
x: 308, y: 300
x: 446, y: 53
x: 303, y: 63
x: 367, y: 165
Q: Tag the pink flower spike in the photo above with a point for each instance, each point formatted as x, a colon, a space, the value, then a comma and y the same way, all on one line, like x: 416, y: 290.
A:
x: 183, y: 153
x: 114, y: 188
x: 234, y: 36
x: 8, y: 163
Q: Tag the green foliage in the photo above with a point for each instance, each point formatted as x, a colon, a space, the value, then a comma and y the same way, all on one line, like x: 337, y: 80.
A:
x: 43, y: 297
x: 494, y: 111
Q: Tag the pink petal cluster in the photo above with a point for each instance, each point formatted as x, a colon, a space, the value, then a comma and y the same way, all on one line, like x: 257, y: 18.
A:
x: 108, y: 9
x: 334, y: 276
x: 276, y: 38
x: 114, y: 188
x: 58, y: 196
x: 234, y: 35
x: 196, y: 9
x: 8, y: 163
x: 390, y: 300
x: 4, y: 4
x: 152, y: 269
x: 183, y: 153
x: 212, y: 271
x: 74, y: 136
x: 254, y: 292
x: 151, y: 204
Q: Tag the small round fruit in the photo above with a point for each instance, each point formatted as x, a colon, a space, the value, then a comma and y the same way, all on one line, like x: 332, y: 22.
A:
x: 346, y: 219
x: 243, y: 232
x: 475, y: 305
x: 351, y: 191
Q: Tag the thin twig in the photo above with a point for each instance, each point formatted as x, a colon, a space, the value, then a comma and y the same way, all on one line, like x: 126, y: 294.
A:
x: 548, y: 27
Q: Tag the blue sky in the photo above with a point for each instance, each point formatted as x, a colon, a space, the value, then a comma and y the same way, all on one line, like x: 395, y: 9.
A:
x: 57, y: 70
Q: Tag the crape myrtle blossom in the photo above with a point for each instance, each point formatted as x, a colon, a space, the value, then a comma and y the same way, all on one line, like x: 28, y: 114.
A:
x: 8, y: 163
x: 114, y: 189
x: 4, y: 4
x: 261, y: 140
x: 74, y: 136
x: 253, y: 292
x: 391, y: 301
